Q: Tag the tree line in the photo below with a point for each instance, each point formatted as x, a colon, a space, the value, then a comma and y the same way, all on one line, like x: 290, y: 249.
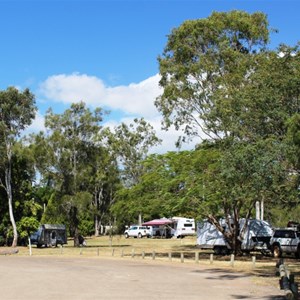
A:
x: 221, y: 85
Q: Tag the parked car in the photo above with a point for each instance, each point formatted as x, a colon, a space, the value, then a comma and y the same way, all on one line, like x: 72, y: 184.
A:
x: 285, y: 240
x: 137, y: 231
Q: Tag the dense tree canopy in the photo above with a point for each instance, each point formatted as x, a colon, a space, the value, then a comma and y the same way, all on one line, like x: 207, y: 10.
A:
x: 204, y: 64
x: 220, y: 79
x: 73, y: 161
x: 131, y: 144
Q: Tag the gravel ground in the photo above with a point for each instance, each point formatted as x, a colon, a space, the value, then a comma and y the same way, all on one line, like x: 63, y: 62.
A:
x: 97, y: 278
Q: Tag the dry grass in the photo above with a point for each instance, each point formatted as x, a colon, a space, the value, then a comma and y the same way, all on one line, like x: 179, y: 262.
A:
x: 118, y: 245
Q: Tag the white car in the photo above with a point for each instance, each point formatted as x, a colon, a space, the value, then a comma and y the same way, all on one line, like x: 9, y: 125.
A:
x: 285, y: 240
x: 137, y: 231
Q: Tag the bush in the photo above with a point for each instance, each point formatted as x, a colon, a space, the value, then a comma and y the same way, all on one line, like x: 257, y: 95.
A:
x: 2, y: 240
x: 86, y: 228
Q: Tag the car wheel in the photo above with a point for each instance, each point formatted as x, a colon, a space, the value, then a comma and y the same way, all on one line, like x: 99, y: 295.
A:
x: 126, y: 236
x: 277, y: 251
x: 225, y: 251
x: 218, y: 250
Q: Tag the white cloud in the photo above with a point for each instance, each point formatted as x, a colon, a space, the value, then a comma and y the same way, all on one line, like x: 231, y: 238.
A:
x: 134, y: 99
x: 72, y: 88
x: 169, y: 138
x: 37, y: 124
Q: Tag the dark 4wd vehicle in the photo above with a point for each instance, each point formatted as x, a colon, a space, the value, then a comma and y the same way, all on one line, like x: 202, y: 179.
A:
x: 285, y: 240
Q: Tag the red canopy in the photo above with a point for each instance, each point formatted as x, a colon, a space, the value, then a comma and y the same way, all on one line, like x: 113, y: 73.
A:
x: 158, y: 222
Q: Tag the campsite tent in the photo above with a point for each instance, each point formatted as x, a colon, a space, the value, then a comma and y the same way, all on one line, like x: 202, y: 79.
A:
x: 160, y: 227
x: 158, y: 222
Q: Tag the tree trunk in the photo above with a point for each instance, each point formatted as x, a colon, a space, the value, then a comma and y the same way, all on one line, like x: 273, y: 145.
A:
x: 262, y: 209
x: 9, y: 195
x: 96, y: 226
x: 13, y: 222
x: 98, y: 202
x: 76, y: 238
x: 257, y: 209
x: 230, y: 232
x: 74, y: 225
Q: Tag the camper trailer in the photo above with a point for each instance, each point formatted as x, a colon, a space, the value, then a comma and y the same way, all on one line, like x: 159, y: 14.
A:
x: 182, y: 227
x: 256, y: 236
x: 173, y: 227
x: 49, y: 235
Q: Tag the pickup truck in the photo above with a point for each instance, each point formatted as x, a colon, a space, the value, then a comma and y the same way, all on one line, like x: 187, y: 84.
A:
x: 137, y: 231
x: 285, y: 240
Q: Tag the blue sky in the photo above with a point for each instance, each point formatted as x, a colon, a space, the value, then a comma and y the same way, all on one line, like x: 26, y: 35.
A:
x: 105, y: 52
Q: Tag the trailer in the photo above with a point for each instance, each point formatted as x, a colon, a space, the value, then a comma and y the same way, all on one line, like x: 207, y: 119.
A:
x: 49, y: 235
x: 255, y: 237
x: 177, y: 227
x: 182, y: 227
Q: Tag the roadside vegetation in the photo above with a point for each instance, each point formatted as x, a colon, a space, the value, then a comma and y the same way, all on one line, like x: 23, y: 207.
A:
x: 222, y: 85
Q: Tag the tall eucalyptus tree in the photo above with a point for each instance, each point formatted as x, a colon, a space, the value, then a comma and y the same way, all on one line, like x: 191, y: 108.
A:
x: 220, y: 79
x: 17, y: 110
x: 130, y: 144
x: 71, y: 158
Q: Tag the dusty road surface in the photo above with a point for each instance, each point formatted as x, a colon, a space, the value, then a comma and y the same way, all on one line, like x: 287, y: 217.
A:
x: 95, y: 278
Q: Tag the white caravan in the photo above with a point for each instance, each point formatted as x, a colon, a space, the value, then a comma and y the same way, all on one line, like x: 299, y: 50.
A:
x: 256, y: 236
x: 182, y: 227
x: 173, y: 227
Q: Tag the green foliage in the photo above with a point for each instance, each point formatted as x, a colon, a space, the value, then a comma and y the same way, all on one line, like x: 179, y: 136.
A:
x: 247, y: 173
x: 27, y: 226
x: 54, y: 213
x: 77, y: 169
x: 204, y: 64
x: 17, y: 109
x: 172, y: 184
x: 131, y: 144
x: 293, y: 140
x: 220, y: 80
x: 86, y: 227
x: 280, y: 215
x: 294, y: 129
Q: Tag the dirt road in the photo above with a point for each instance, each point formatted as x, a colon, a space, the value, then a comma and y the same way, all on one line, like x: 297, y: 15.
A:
x: 56, y: 278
